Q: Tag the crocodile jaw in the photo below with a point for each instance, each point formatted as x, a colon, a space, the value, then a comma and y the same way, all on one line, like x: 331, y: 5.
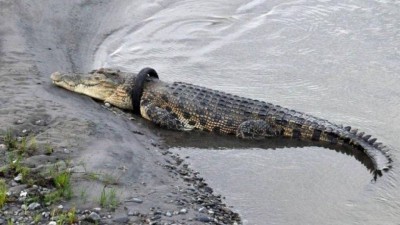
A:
x: 96, y: 86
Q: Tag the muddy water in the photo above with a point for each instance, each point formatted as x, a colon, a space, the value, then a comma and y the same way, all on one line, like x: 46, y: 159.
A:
x: 334, y: 59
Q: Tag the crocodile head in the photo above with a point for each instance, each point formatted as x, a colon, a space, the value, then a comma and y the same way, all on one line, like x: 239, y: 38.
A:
x: 109, y: 87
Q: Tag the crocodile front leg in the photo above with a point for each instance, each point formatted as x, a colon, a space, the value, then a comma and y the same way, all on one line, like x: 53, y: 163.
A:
x: 160, y: 116
x: 257, y: 129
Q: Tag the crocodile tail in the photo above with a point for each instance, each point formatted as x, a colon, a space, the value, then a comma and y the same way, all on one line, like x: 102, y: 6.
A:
x: 376, y: 151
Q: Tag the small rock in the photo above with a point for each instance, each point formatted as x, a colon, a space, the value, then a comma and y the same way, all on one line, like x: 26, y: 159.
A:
x: 33, y: 206
x: 183, y: 211
x: 19, y: 121
x: 66, y: 151
x: 136, y: 200
x: 24, y: 131
x: 23, y: 194
x: 52, y: 223
x: 38, y: 122
x: 204, y: 219
x: 169, y: 214
x: 94, y: 217
x: 133, y: 213
x: 18, y: 178
x: 60, y: 207
x: 24, y: 207
x: 46, y: 214
x: 121, y: 220
x: 98, y: 209
x: 107, y: 104
x: 2, y: 147
x: 2, y: 221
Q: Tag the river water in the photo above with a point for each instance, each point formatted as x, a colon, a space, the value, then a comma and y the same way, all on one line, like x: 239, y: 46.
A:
x: 339, y: 60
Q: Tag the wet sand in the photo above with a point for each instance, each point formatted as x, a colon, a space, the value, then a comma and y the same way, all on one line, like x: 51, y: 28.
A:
x: 38, y: 38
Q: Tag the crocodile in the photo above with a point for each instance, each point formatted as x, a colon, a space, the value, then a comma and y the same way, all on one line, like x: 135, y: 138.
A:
x: 184, y: 106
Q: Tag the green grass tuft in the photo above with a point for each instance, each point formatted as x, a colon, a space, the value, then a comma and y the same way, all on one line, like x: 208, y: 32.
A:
x: 3, y: 193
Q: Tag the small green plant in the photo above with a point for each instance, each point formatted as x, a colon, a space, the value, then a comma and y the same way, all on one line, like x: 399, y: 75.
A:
x: 108, y: 199
x: 3, y: 193
x: 63, y: 184
x: 37, y: 218
x: 10, y: 222
x: 71, y: 216
x: 83, y: 195
x: 32, y: 146
x: 22, y: 146
x: 10, y: 141
x: 24, y: 171
x: 48, y: 149
x: 103, y: 198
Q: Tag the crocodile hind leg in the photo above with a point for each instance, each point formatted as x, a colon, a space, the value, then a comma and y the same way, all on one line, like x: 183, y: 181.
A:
x: 257, y: 129
x: 161, y: 117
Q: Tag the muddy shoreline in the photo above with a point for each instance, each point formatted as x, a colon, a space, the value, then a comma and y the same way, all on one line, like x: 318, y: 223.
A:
x: 102, y: 148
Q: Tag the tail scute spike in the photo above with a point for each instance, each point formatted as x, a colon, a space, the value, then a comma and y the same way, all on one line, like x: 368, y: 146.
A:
x: 366, y: 137
x: 347, y: 128
x: 372, y: 141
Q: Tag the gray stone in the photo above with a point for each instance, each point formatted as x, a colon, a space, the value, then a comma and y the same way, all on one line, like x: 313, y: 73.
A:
x: 136, y: 200
x: 18, y: 178
x: 133, y: 213
x: 33, y: 206
x: 183, y: 211
x: 121, y: 220
x: 169, y: 214
x: 2, y: 221
x: 52, y: 223
x: 94, y: 217
x: 204, y: 219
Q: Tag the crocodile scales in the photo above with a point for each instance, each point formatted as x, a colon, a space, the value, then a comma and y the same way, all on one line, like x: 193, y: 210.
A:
x: 184, y: 106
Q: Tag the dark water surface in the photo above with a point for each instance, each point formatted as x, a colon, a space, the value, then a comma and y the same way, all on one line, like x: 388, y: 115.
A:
x: 339, y: 60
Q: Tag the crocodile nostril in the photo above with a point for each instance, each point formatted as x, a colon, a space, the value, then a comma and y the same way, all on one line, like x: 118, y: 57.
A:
x: 56, y: 76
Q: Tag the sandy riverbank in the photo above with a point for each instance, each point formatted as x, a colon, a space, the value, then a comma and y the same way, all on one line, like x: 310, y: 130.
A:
x: 100, y: 147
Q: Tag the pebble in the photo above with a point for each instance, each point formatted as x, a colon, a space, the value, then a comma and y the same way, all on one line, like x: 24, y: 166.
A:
x: 133, y: 213
x: 98, y: 209
x: 169, y: 214
x: 33, y: 206
x: 204, y: 219
x: 52, y: 223
x: 18, y: 178
x: 107, y: 104
x: 136, y: 200
x: 60, y: 207
x: 19, y: 121
x: 183, y: 211
x: 94, y: 216
x: 46, y: 214
x: 121, y: 220
x: 2, y: 147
